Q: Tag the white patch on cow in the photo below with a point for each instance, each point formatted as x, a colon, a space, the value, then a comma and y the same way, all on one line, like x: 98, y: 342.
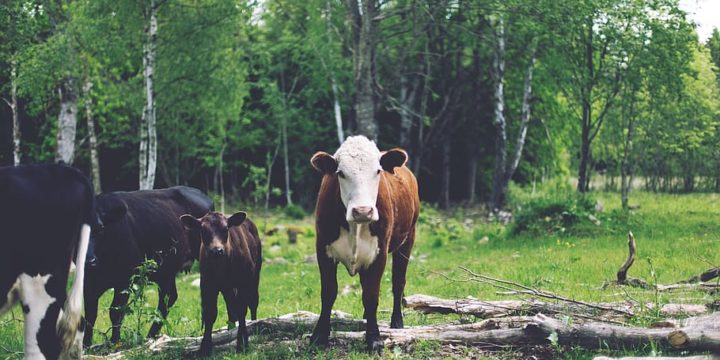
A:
x: 356, y: 250
x: 358, y: 159
x: 12, y: 297
x: 34, y: 296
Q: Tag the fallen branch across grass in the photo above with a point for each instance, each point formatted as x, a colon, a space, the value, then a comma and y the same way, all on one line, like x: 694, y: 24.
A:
x: 699, y: 282
x: 494, y: 309
x: 696, y: 334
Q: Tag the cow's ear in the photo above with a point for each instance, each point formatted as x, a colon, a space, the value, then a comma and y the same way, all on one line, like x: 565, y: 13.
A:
x: 324, y: 163
x: 115, y: 213
x: 393, y: 158
x: 189, y: 222
x: 236, y: 219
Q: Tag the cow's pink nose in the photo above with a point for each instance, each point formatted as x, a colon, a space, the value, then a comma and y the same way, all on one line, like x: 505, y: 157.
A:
x: 362, y: 213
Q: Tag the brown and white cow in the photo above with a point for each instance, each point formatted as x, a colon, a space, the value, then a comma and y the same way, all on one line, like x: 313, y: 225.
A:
x: 230, y: 263
x: 367, y: 207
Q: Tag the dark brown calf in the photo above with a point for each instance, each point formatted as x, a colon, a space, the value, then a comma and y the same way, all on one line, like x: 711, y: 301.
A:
x: 230, y: 261
x: 359, y: 229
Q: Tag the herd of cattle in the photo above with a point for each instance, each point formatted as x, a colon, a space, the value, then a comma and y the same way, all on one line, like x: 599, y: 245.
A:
x: 367, y: 208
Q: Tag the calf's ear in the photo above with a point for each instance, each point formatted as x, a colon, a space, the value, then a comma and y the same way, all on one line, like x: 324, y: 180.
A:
x: 236, y: 219
x: 324, y: 163
x: 189, y: 222
x: 393, y: 158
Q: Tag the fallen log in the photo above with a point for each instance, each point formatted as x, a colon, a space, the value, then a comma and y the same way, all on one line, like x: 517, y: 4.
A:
x: 493, y: 309
x: 698, y: 334
x: 698, y: 357
x: 291, y: 324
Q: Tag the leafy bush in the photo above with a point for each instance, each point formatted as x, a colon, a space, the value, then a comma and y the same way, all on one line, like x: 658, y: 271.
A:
x: 294, y: 212
x: 553, y: 214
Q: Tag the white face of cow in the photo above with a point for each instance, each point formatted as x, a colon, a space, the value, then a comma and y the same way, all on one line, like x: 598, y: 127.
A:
x: 358, y: 165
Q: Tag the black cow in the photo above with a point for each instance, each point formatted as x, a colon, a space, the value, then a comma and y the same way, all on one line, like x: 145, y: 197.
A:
x: 46, y: 215
x: 140, y: 225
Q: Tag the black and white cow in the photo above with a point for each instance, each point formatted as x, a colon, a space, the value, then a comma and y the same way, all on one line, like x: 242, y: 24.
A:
x: 46, y: 215
x: 135, y: 226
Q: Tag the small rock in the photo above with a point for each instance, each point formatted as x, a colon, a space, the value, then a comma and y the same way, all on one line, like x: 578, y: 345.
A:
x: 599, y: 206
x: 593, y: 219
x: 310, y: 259
x: 275, y: 248
x: 484, y: 240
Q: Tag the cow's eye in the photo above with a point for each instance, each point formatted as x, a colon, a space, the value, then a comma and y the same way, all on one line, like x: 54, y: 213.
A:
x: 341, y: 174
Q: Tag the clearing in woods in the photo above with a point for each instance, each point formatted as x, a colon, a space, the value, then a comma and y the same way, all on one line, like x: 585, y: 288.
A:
x: 677, y: 237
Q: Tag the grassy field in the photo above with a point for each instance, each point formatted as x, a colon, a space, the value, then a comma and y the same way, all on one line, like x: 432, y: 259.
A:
x: 677, y: 236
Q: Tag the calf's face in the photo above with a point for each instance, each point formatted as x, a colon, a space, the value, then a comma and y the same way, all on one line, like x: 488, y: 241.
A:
x: 214, y: 230
x: 109, y: 212
x: 358, y: 165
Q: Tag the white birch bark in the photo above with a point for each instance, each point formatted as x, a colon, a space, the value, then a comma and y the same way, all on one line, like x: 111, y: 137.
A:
x: 288, y: 194
x: 333, y: 82
x: 67, y: 122
x: 94, y: 159
x: 498, y: 74
x: 15, y: 116
x: 524, y: 116
x: 148, y: 132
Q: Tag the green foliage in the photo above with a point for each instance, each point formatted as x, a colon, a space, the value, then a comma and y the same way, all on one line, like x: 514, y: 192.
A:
x: 137, y: 312
x: 553, y: 214
x: 294, y: 212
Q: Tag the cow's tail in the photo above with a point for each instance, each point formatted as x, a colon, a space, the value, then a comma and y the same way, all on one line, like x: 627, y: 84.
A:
x: 70, y: 317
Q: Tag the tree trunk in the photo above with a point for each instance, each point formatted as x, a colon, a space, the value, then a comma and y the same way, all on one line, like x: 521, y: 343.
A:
x: 222, y: 181
x: 445, y: 184
x: 67, y: 121
x: 498, y: 74
x: 15, y: 116
x: 333, y: 82
x: 583, y: 176
x: 362, y: 14
x: 524, y: 117
x: 472, y: 175
x: 94, y: 159
x: 288, y: 193
x: 148, y: 132
x: 626, y: 166
x: 584, y: 157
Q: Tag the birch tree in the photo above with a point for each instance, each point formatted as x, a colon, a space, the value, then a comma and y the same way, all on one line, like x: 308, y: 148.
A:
x: 364, y: 30
x: 148, y: 130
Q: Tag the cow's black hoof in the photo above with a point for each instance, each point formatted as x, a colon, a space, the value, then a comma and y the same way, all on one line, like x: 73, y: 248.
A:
x: 375, y: 346
x: 396, y: 322
x: 242, y: 344
x: 319, y: 340
x: 205, y: 348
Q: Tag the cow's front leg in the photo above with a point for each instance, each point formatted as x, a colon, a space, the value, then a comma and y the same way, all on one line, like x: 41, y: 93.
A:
x: 242, y: 334
x: 117, y: 311
x: 208, y: 295
x: 370, y: 282
x: 91, y: 310
x: 328, y: 293
x: 231, y: 303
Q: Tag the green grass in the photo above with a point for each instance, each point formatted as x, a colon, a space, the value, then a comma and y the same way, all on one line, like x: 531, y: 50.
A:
x: 677, y: 234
